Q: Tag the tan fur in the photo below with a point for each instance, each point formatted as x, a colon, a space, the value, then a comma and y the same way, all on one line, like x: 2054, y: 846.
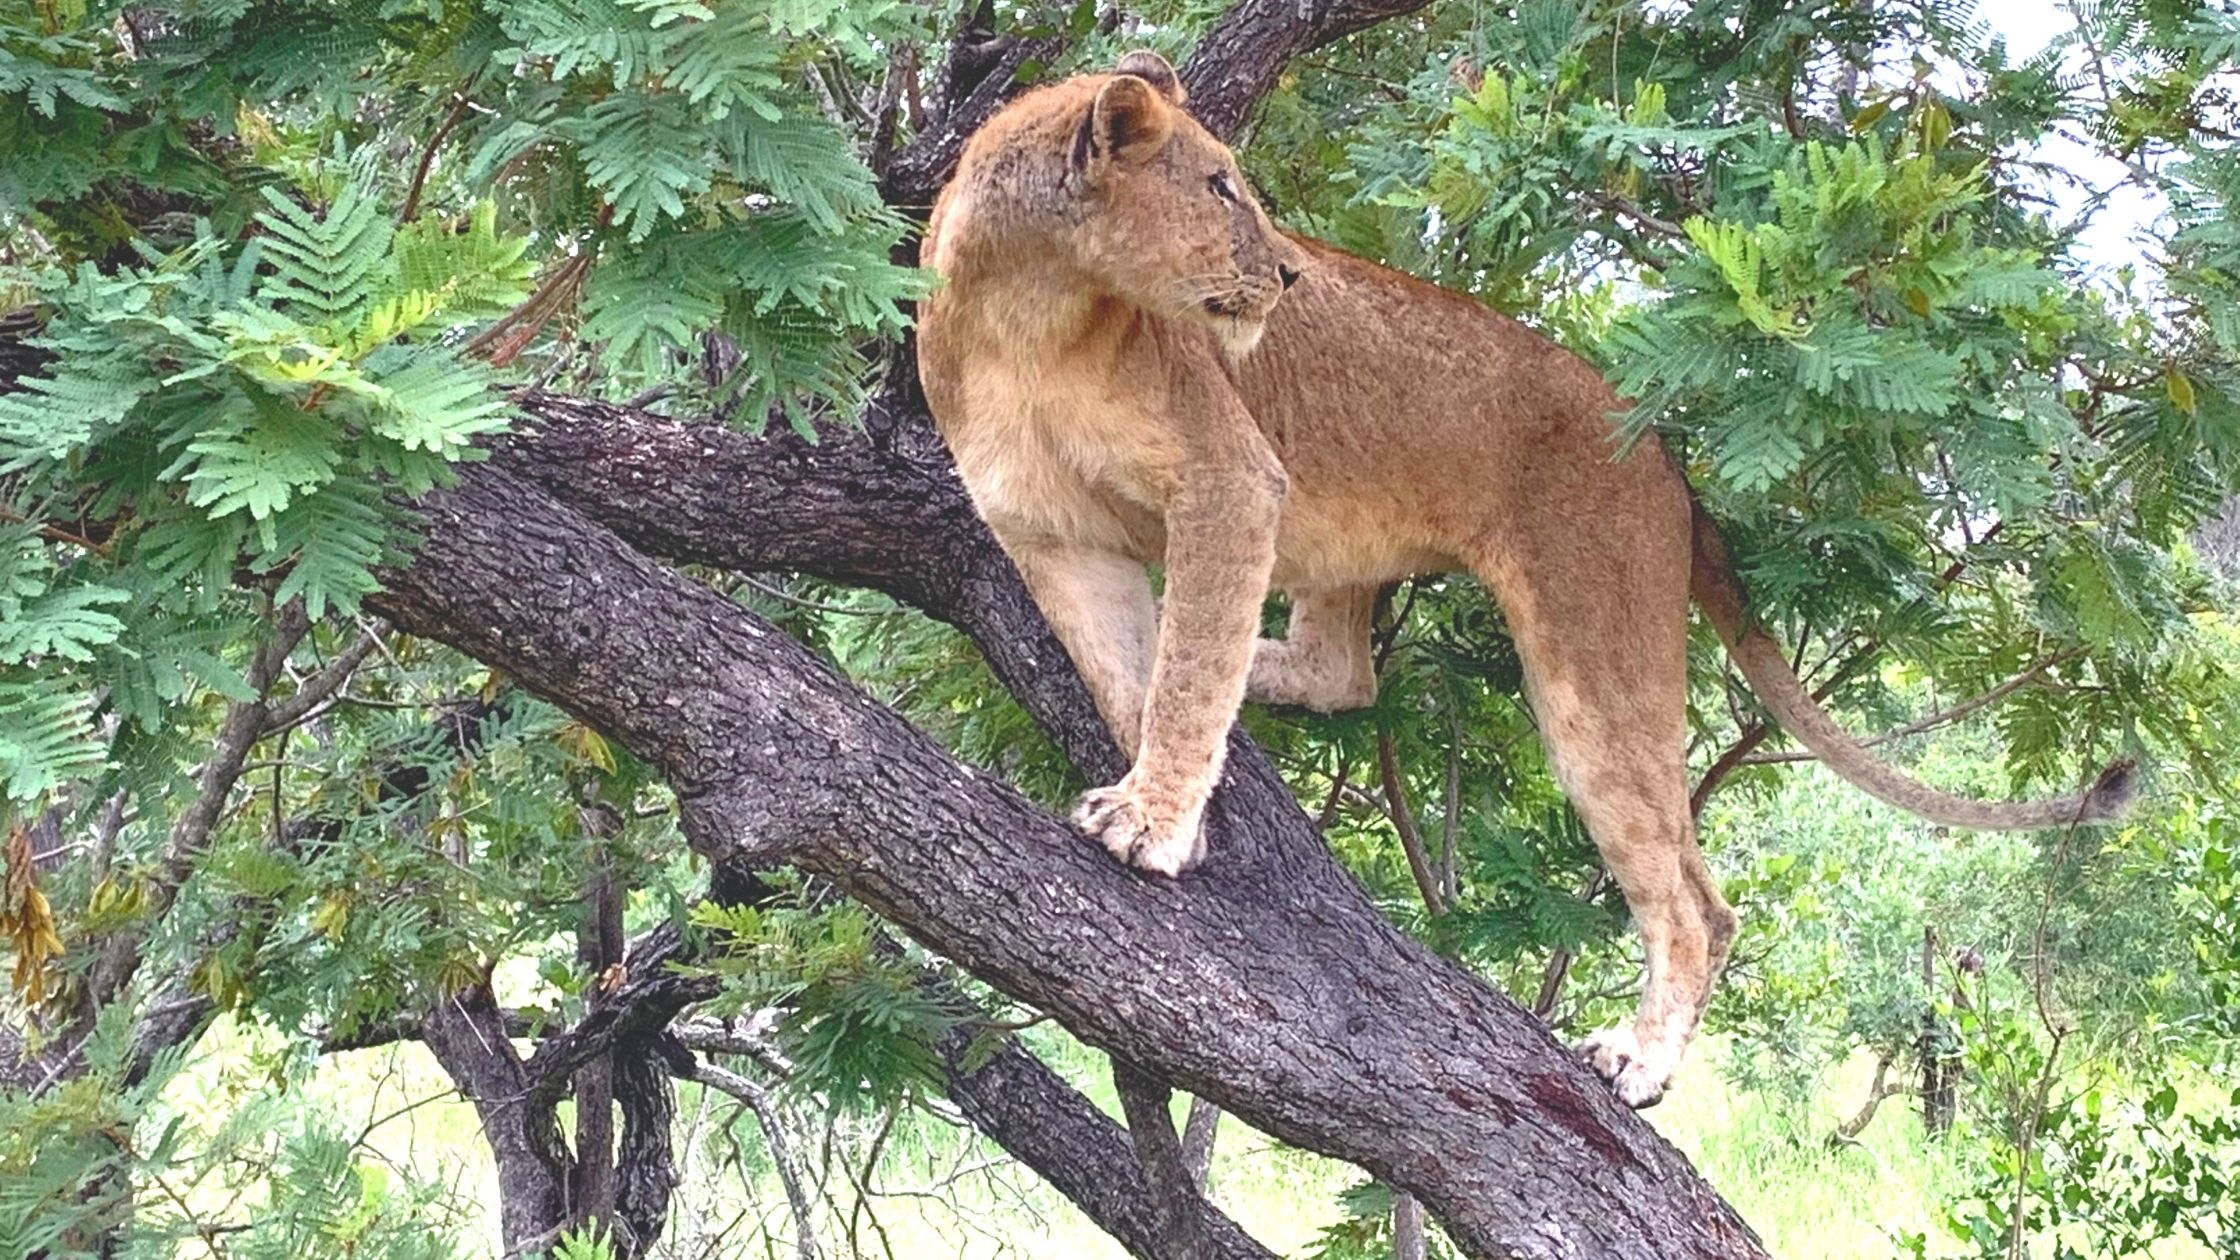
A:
x: 1090, y: 362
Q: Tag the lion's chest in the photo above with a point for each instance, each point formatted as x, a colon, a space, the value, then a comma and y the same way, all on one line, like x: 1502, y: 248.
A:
x: 1051, y: 459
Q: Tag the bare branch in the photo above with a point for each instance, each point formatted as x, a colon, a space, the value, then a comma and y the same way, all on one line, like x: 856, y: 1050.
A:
x: 1428, y: 882
x: 1180, y: 1209
x: 779, y: 1142
x: 312, y: 691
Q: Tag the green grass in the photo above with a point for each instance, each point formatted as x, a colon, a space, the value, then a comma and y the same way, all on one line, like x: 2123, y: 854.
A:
x: 1772, y: 1161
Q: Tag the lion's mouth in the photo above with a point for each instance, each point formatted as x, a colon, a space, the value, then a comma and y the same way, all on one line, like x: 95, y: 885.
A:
x: 1246, y: 303
x: 1239, y: 315
x: 1247, y: 300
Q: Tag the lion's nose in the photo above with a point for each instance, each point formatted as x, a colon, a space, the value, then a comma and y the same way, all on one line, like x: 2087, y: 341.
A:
x: 1288, y: 274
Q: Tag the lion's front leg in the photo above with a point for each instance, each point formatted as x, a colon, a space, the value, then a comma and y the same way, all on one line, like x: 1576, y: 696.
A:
x: 1098, y: 603
x: 1221, y: 531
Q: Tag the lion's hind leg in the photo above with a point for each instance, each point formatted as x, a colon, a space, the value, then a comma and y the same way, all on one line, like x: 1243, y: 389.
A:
x: 1605, y: 671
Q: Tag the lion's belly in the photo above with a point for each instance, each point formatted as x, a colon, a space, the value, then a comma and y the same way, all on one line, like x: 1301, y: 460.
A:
x: 1031, y: 488
x: 1327, y: 540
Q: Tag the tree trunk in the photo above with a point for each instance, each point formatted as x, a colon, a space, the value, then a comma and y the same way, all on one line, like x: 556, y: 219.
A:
x: 1408, y: 1240
x: 645, y: 1172
x: 1351, y: 1036
x: 599, y: 946
x: 1940, y: 1092
x: 467, y: 1034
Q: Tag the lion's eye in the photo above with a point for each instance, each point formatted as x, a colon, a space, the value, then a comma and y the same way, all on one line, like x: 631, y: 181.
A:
x: 1222, y: 188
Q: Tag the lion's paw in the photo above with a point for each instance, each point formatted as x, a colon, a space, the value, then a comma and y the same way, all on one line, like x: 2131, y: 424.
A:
x: 1131, y: 830
x: 1617, y: 1056
x: 1610, y: 1050
x: 1640, y: 1086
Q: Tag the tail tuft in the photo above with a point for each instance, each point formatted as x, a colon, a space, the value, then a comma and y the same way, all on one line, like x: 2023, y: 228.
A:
x: 2112, y: 795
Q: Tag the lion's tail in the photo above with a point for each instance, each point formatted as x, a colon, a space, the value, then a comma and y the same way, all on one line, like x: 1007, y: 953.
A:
x: 1719, y: 593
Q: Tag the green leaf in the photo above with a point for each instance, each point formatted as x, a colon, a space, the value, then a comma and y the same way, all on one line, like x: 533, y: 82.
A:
x: 804, y: 162
x: 329, y: 543
x: 64, y: 622
x: 644, y: 152
x: 46, y: 738
x: 51, y: 416
x: 327, y: 268
x: 258, y: 462
x: 437, y: 403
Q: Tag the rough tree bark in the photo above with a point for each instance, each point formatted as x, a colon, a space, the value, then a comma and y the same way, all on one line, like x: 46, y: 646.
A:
x: 599, y: 946
x: 1146, y: 1101
x: 467, y: 1034
x: 1355, y: 1042
x: 645, y: 1161
x: 1198, y: 1133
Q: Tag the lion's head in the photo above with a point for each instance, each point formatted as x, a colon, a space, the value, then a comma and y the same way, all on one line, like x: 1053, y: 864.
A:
x: 1107, y: 174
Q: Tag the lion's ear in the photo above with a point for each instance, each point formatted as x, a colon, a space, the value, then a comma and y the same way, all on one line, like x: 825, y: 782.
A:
x: 1153, y: 69
x: 1129, y: 123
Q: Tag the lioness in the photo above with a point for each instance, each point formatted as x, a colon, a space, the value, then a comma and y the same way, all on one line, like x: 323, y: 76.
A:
x: 1132, y: 365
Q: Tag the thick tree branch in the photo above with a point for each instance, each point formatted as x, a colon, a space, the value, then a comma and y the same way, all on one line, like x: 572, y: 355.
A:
x: 1198, y: 1133
x: 1235, y: 65
x: 1032, y: 1113
x: 1349, y: 1035
x: 982, y: 70
x: 1244, y: 53
x: 466, y: 1032
x: 645, y: 1160
x: 651, y: 995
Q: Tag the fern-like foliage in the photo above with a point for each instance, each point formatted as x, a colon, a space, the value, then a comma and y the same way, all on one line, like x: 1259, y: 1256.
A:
x: 324, y: 264
x: 695, y: 149
x: 252, y: 404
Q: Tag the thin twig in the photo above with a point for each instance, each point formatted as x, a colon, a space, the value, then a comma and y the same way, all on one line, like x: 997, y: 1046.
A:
x: 285, y: 714
x: 1404, y: 821
x: 55, y: 533
x: 2041, y: 983
x: 780, y: 1145
x: 510, y: 333
x: 460, y: 105
x: 810, y: 604
x: 1329, y: 811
